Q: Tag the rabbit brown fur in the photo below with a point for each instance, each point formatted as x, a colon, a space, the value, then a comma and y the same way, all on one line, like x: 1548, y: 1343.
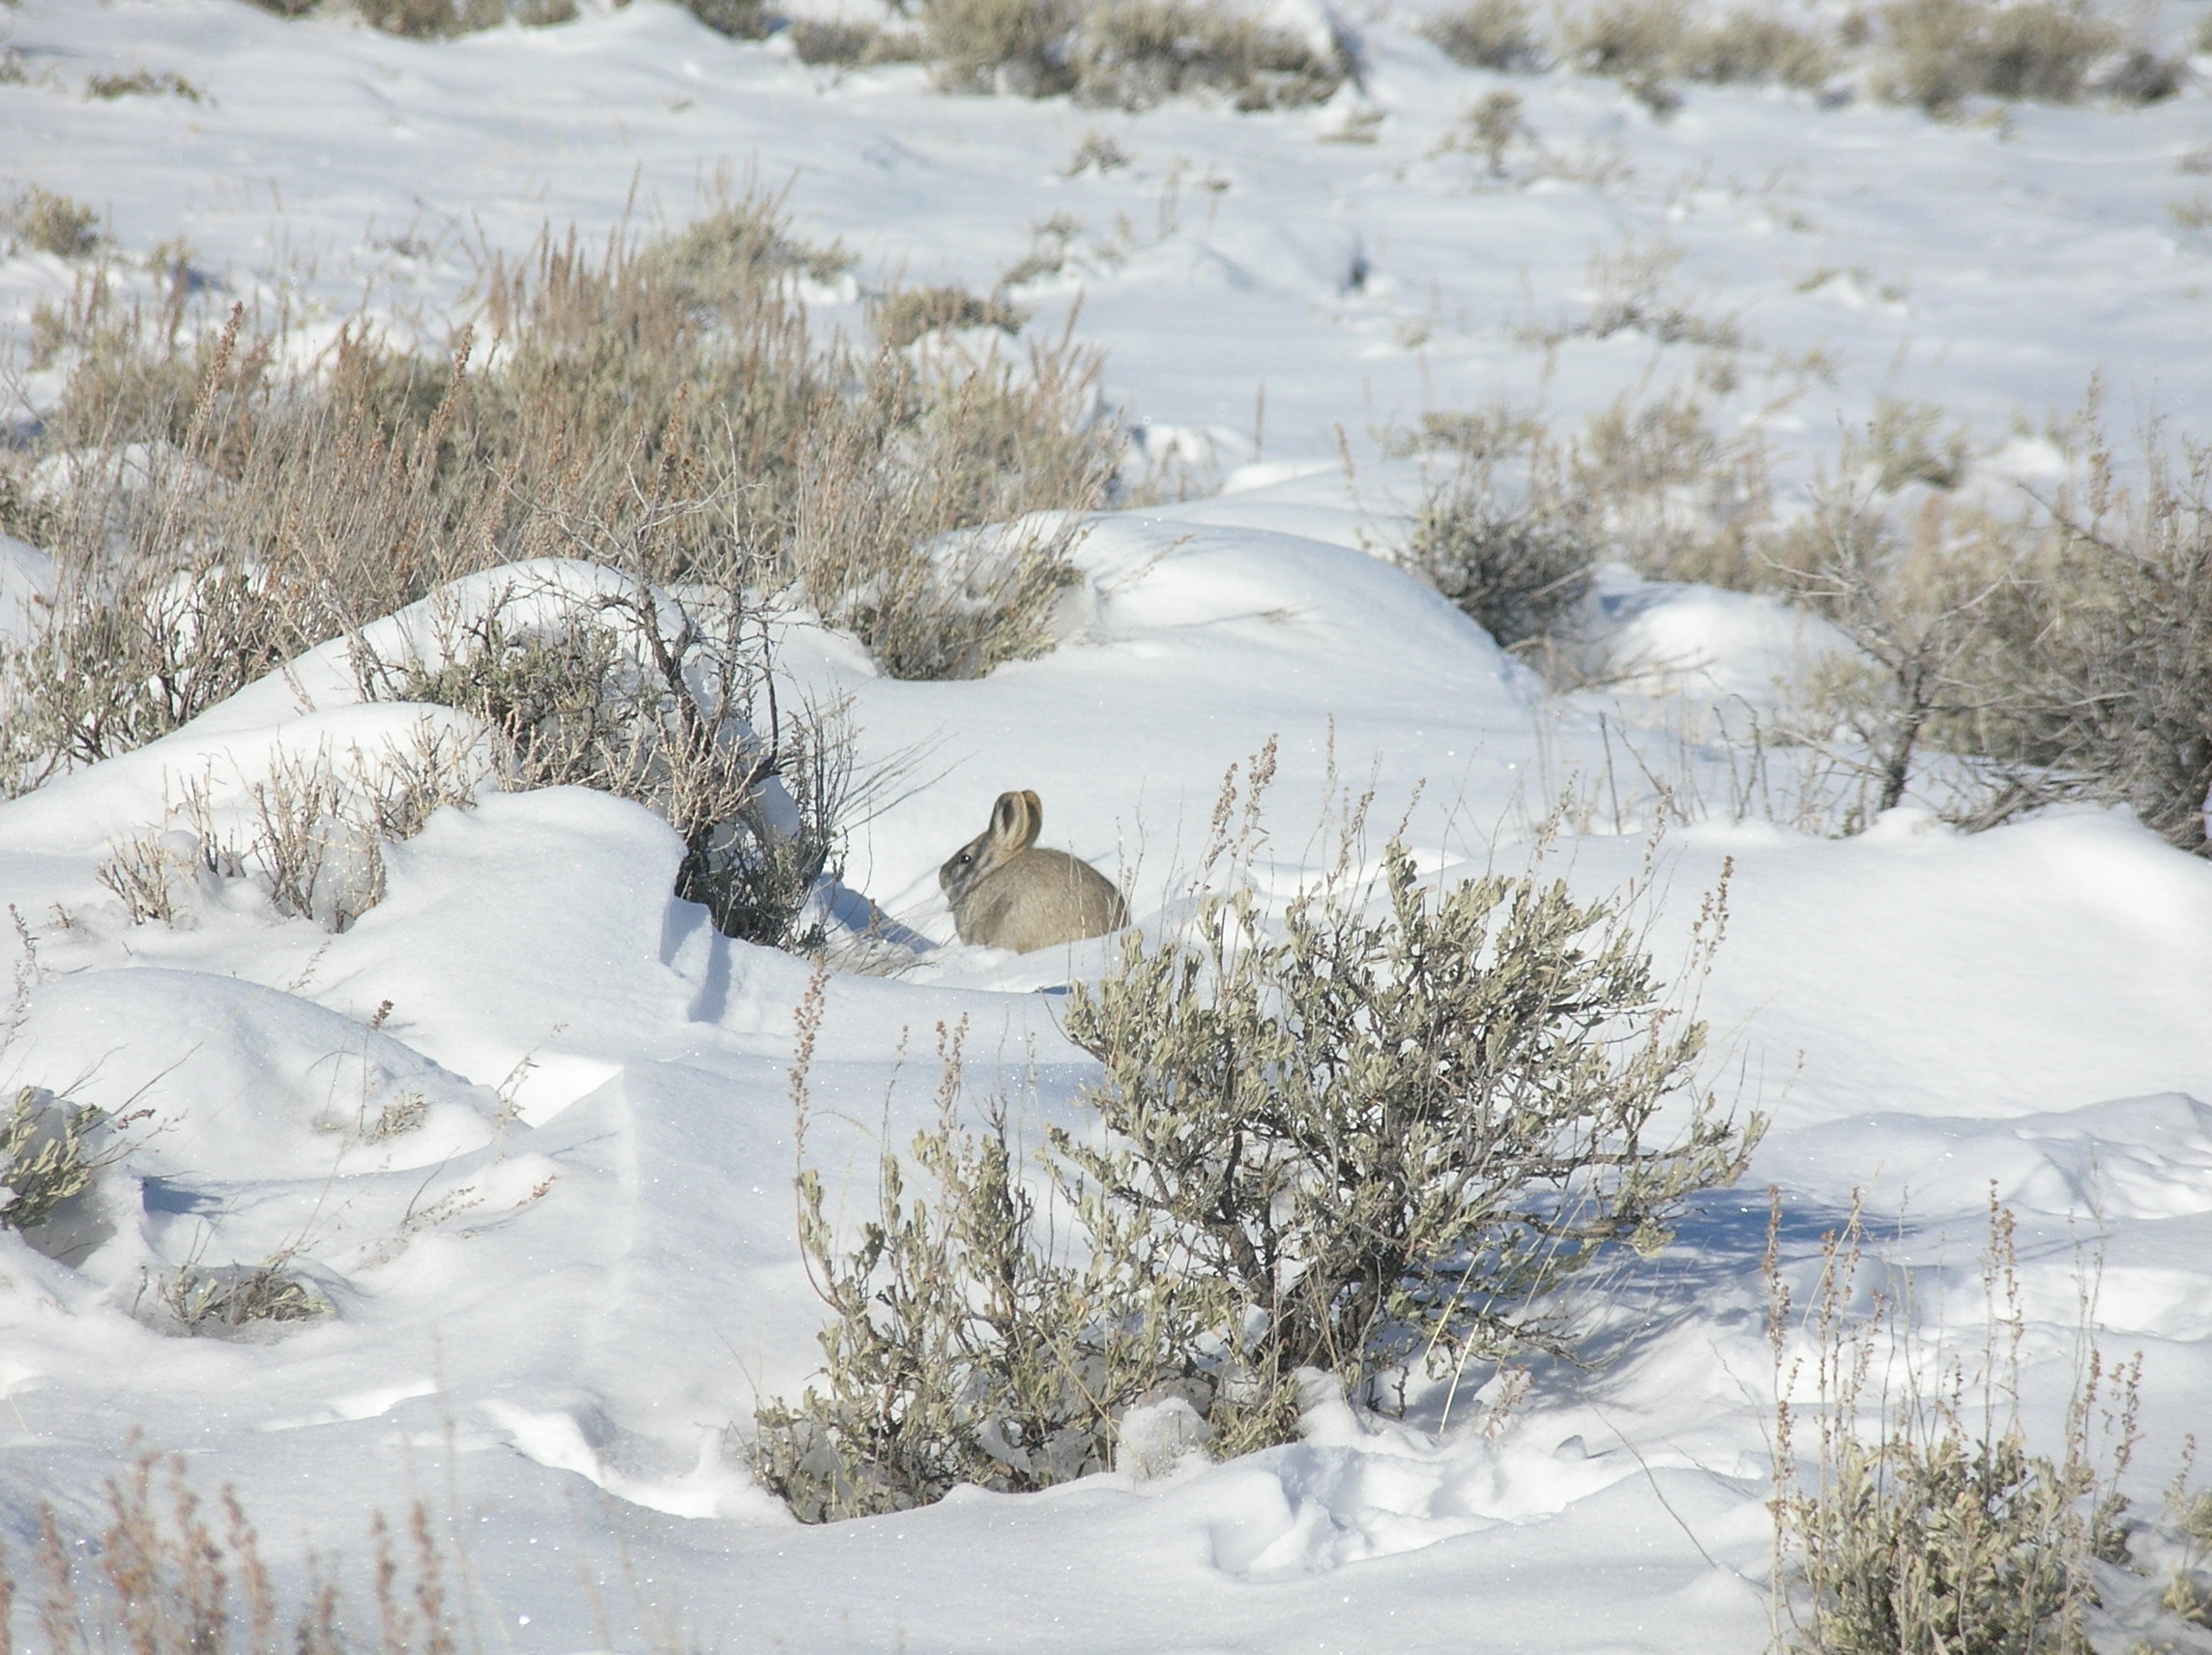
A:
x: 1007, y: 894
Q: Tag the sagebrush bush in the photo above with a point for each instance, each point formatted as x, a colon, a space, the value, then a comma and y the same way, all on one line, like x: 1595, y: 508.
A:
x: 1754, y: 48
x: 1648, y: 483
x: 961, y: 1349
x: 1132, y: 55
x: 1128, y: 54
x: 1937, y: 53
x: 1364, y: 1140
x: 1935, y: 1527
x: 431, y: 19
x: 1487, y: 33
x: 1626, y: 39
x: 1518, y: 571
x: 1919, y: 614
x: 907, y: 313
x: 53, y: 222
x: 857, y: 46
x: 49, y: 1150
x: 740, y: 20
x: 1394, y: 1129
x: 662, y: 402
x: 2106, y: 663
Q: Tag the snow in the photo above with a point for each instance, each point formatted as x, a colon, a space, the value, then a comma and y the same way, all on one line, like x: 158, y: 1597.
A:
x: 573, y: 1272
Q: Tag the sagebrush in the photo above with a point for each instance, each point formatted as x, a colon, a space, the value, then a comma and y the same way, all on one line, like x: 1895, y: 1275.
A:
x: 1362, y: 1141
x: 1928, y: 1523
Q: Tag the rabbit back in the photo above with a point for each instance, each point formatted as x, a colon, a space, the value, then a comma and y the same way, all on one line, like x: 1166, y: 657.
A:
x: 1038, y: 900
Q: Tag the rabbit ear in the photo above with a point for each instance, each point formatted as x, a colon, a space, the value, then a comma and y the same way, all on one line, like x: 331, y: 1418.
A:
x: 1009, y: 817
x: 1035, y: 813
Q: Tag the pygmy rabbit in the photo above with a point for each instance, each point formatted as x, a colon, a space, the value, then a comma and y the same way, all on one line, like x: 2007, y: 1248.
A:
x: 1007, y: 894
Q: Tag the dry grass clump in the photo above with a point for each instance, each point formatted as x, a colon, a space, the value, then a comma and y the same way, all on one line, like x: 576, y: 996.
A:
x: 1937, y: 1528
x: 1128, y: 54
x: 1360, y: 1140
x: 53, y: 224
x: 169, y: 1576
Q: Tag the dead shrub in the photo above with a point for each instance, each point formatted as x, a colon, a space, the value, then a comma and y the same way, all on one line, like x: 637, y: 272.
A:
x: 637, y: 695
x: 1919, y: 614
x: 1489, y: 34
x: 310, y: 832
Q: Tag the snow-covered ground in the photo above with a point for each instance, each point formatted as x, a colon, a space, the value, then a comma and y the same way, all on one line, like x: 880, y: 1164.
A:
x: 559, y: 1290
